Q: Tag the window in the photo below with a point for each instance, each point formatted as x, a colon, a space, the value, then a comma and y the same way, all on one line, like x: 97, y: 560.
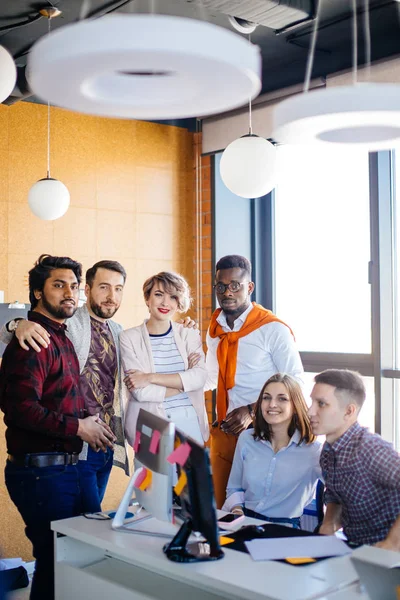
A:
x: 322, y: 249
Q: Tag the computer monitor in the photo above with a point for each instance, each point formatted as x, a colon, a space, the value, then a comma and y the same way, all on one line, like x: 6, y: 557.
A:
x: 157, y: 498
x: 198, y: 509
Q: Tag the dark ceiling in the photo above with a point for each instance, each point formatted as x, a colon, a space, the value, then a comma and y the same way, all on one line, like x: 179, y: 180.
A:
x: 284, y: 55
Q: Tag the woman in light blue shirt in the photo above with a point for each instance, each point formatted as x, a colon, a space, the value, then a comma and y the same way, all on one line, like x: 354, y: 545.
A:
x: 276, y: 465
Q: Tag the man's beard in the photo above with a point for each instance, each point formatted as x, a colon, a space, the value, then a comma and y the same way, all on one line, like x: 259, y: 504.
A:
x: 103, y: 312
x: 237, y: 310
x: 58, y: 312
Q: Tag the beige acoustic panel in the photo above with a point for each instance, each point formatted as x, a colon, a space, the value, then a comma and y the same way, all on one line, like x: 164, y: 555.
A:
x: 116, y: 233
x: 4, y: 175
x: 4, y: 130
x: 155, y: 237
x: 74, y: 148
x: 13, y: 542
x: 117, y: 188
x: 157, y: 190
x: 18, y: 268
x: 27, y: 234
x: 75, y: 233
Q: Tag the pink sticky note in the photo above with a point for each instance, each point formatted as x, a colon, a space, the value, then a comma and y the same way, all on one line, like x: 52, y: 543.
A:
x: 137, y: 441
x: 180, y: 455
x: 155, y: 440
x: 140, y: 478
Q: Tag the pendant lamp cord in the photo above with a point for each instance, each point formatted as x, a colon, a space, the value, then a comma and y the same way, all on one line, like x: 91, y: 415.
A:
x: 250, y: 113
x: 311, y: 53
x: 48, y: 120
x: 367, y: 38
x: 355, y: 42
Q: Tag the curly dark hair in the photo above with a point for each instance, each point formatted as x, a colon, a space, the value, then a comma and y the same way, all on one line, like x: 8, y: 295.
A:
x: 42, y: 269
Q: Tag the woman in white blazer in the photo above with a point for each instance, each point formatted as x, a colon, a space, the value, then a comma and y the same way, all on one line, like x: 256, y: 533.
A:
x: 164, y: 362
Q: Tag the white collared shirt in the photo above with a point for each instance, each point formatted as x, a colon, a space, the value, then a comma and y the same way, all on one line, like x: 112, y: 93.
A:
x: 265, y: 351
x: 275, y: 485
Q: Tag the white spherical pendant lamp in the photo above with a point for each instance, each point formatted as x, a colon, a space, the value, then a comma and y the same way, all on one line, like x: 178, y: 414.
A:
x: 48, y: 199
x: 8, y: 74
x: 248, y: 166
x: 145, y: 67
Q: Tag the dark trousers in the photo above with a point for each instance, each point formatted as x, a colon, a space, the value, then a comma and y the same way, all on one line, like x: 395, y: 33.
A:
x: 43, y: 495
x: 294, y: 521
x: 93, y: 475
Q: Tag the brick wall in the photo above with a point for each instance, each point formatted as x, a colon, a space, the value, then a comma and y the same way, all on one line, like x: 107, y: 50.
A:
x: 203, y: 242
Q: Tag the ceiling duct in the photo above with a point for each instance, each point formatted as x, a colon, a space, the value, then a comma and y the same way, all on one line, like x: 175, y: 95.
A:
x: 275, y: 14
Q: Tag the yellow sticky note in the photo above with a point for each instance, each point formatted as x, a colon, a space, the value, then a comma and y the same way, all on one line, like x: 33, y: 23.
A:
x: 398, y: 592
x: 223, y: 540
x: 146, y: 481
x: 300, y: 561
x: 182, y: 481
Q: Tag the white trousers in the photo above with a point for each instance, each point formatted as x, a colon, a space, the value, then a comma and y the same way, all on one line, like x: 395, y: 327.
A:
x: 185, y: 419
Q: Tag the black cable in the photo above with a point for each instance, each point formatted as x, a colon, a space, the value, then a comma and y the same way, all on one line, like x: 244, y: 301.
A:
x: 307, y: 47
x: 108, y: 8
x: 7, y: 28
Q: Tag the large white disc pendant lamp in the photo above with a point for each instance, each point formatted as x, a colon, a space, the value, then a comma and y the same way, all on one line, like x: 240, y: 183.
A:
x: 362, y: 115
x: 365, y: 115
x: 145, y: 67
x: 248, y: 166
x: 49, y: 198
x: 8, y: 74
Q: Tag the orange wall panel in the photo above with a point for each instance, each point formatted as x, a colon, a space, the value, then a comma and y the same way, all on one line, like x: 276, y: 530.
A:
x: 132, y: 200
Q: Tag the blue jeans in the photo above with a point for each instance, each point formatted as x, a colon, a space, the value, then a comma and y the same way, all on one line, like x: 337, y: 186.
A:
x: 93, y: 474
x: 43, y: 495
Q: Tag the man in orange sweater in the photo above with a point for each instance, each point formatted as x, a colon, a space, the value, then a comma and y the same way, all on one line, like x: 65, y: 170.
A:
x: 246, y: 345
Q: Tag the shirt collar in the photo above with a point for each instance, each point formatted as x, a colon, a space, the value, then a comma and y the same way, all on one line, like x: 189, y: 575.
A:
x: 295, y: 439
x: 345, y: 438
x: 221, y: 319
x: 37, y: 317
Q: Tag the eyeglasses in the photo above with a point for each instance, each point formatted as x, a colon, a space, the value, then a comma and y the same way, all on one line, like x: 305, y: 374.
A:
x: 233, y: 286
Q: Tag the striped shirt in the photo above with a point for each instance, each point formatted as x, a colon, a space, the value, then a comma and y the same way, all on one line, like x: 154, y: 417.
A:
x: 167, y: 359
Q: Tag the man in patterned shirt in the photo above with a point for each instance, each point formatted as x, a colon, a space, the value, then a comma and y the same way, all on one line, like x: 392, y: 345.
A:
x: 44, y: 416
x: 360, y: 469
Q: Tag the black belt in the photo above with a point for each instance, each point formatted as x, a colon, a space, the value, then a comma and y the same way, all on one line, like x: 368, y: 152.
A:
x: 50, y: 459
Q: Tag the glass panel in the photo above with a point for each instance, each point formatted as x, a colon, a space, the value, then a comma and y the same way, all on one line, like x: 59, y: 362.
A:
x: 232, y: 220
x: 367, y: 413
x: 323, y: 248
x: 396, y: 250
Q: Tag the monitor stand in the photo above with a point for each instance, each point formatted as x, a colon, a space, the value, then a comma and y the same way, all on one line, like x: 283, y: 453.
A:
x: 179, y: 550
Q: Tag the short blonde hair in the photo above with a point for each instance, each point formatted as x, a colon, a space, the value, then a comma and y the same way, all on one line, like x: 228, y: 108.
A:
x: 172, y: 283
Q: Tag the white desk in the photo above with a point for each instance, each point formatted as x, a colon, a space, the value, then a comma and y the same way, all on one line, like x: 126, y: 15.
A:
x: 92, y: 561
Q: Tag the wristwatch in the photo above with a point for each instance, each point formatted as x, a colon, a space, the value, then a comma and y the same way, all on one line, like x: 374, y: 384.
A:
x: 251, y: 410
x: 12, y: 325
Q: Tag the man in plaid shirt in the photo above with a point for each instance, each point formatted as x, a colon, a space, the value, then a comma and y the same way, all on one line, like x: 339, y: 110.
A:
x: 360, y: 469
x: 45, y: 417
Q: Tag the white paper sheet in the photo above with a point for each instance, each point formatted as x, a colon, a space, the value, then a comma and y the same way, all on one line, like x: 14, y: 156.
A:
x: 314, y: 546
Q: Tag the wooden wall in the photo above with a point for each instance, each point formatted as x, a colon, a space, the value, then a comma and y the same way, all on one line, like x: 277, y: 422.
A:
x: 132, y: 200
